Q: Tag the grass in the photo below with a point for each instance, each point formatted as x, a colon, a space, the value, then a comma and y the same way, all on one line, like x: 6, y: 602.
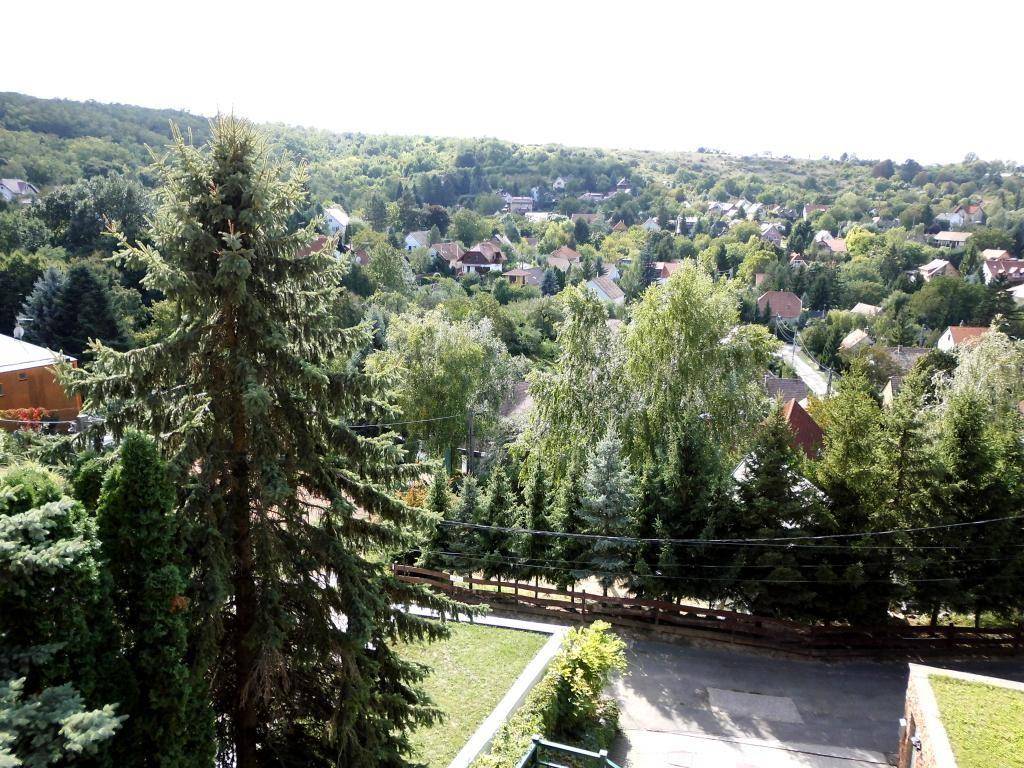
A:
x: 471, y: 672
x: 985, y: 723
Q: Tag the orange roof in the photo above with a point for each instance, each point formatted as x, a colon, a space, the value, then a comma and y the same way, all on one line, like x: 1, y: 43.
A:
x: 565, y: 252
x: 962, y: 333
x: 806, y: 432
x: 785, y: 304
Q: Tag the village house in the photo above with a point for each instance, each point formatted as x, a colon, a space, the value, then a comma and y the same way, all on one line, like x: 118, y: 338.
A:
x: 995, y: 253
x: 336, y: 221
x: 620, y: 226
x: 811, y: 209
x: 905, y: 357
x: 663, y: 270
x: 623, y: 185
x: 482, y: 258
x: 937, y: 268
x: 27, y: 381
x: 564, y: 258
x: 18, y: 190
x: 558, y: 184
x: 590, y: 218
x: 772, y: 233
x: 784, y: 389
x: 611, y: 271
x: 963, y: 215
x: 592, y: 197
x: 807, y: 435
x: 947, y: 239
x: 800, y: 261
x: 956, y: 335
x: 450, y: 252
x: 524, y: 276
x: 854, y: 340
x: 1010, y: 270
x: 519, y: 203
x: 1017, y: 294
x: 780, y: 305
x: 652, y: 225
x: 686, y: 225
x: 419, y: 239
x: 606, y: 290
x: 865, y: 310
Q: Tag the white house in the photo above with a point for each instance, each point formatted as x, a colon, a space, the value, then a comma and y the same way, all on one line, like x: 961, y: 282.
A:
x: 606, y: 290
x: 18, y: 190
x: 772, y: 233
x: 558, y: 184
x: 520, y: 204
x: 1010, y: 270
x: 955, y: 335
x: 947, y: 239
x: 937, y: 268
x: 652, y: 225
x: 418, y: 239
x: 1017, y: 294
x: 336, y: 220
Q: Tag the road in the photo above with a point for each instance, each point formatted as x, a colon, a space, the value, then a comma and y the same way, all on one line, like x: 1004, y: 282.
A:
x: 816, y: 381
x: 694, y: 707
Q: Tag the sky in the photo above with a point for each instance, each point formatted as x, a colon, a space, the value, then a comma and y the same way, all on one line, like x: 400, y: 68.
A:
x: 903, y: 78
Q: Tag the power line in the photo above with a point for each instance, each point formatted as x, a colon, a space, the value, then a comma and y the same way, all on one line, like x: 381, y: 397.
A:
x: 400, y: 423
x: 784, y: 542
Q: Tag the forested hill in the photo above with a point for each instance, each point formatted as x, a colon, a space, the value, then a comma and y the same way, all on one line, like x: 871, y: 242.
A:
x: 51, y: 142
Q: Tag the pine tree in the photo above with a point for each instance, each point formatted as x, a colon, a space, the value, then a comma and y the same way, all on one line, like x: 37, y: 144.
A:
x: 170, y: 723
x: 532, y: 515
x: 550, y: 285
x: 568, y: 552
x: 607, y: 511
x: 84, y: 312
x: 256, y: 394
x: 465, y: 540
x: 40, y: 308
x: 438, y: 506
x: 51, y: 638
x: 497, y: 548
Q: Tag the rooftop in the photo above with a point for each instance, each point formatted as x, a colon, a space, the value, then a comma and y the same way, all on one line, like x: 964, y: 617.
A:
x: 18, y: 355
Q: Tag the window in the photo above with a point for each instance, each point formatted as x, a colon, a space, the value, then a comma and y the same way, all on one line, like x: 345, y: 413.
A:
x: 22, y: 377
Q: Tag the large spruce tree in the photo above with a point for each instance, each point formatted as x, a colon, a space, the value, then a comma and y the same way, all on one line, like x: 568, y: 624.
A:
x: 259, y: 395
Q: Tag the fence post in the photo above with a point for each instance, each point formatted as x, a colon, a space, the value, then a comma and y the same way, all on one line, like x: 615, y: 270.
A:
x: 602, y: 758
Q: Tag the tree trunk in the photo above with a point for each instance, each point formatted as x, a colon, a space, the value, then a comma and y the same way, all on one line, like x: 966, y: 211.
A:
x: 934, y: 620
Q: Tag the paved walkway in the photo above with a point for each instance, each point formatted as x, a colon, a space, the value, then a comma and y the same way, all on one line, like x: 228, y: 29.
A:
x: 718, y: 708
x: 816, y: 381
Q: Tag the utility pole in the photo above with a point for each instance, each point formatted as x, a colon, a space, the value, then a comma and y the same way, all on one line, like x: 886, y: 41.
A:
x: 469, y: 441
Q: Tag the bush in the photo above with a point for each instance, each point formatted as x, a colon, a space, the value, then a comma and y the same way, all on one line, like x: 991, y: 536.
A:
x: 567, y: 705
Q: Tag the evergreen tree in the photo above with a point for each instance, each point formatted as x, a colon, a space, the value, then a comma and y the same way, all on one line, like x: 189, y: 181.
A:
x: 532, y: 515
x: 607, y: 511
x: 497, y: 548
x: 438, y: 506
x: 170, y: 723
x: 40, y: 307
x: 465, y: 540
x: 568, y: 552
x: 83, y: 312
x: 51, y: 641
x: 256, y: 394
x: 550, y: 285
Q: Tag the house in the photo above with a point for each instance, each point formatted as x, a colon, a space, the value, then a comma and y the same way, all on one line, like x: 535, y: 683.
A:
x: 18, y: 190
x: 783, y: 305
x: 995, y: 253
x: 420, y: 239
x: 1010, y: 270
x: 905, y: 357
x: 834, y: 246
x: 956, y: 335
x: 620, y: 226
x: 622, y: 185
x: 558, y: 184
x: 800, y: 261
x: 450, y: 252
x: 477, y: 261
x: 652, y: 225
x: 1017, y: 294
x: 360, y: 257
x: 492, y: 250
x: 772, y: 233
x: 686, y: 225
x: 755, y: 211
x: 606, y: 290
x: 947, y: 239
x: 611, y: 271
x: 865, y: 310
x: 812, y: 209
x: 567, y: 253
x: 592, y: 197
x: 524, y: 276
x: 590, y: 218
x: 970, y: 214
x: 807, y: 435
x: 785, y: 389
x: 519, y: 204
x: 336, y: 220
x: 27, y: 381
x: 540, y: 217
x: 937, y: 268
x: 854, y: 340
x: 890, y: 390
x: 663, y: 270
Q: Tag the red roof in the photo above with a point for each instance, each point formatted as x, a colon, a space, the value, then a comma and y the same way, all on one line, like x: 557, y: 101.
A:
x: 785, y: 304
x: 449, y: 251
x: 962, y: 333
x: 806, y: 433
x: 565, y: 252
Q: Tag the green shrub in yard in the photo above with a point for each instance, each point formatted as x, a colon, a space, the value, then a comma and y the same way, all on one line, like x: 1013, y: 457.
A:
x: 568, y: 704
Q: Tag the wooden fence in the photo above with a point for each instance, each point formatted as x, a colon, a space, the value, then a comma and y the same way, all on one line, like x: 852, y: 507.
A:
x: 833, y: 641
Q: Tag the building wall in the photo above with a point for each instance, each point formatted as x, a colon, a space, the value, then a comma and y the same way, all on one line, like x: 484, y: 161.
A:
x: 38, y: 389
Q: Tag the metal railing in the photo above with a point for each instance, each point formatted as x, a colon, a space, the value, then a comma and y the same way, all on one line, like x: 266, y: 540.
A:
x: 546, y: 754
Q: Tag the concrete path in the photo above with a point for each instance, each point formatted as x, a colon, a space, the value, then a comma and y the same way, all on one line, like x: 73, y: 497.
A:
x: 710, y: 708
x: 816, y: 381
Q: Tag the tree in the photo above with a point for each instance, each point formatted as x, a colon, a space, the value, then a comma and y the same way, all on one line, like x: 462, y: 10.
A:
x: 40, y: 307
x: 438, y: 506
x: 575, y: 397
x: 18, y: 274
x: 255, y: 395
x: 79, y: 214
x: 568, y: 552
x: 464, y: 540
x: 377, y: 212
x: 388, y: 269
x: 51, y: 638
x: 607, y: 503
x: 170, y: 723
x: 83, y: 312
x: 441, y: 370
x: 581, y: 231
x: 550, y: 285
x: 532, y: 516
x: 883, y: 169
x: 685, y: 347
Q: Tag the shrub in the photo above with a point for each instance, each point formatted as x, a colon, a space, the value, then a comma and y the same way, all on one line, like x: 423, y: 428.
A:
x: 567, y: 705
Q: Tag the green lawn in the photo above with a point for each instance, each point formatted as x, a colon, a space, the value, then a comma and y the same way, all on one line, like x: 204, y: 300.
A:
x: 472, y: 671
x: 985, y: 723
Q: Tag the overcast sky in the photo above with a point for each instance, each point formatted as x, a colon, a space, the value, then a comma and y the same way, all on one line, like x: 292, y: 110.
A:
x: 929, y: 80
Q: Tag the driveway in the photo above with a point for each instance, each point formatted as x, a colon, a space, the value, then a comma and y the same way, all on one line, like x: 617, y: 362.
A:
x: 709, y: 708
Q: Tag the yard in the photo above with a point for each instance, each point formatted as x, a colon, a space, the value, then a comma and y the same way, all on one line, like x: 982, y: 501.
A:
x: 985, y: 724
x: 472, y: 670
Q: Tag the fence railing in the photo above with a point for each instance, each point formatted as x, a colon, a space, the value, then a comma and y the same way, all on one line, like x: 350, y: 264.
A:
x: 731, y: 627
x: 544, y: 753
